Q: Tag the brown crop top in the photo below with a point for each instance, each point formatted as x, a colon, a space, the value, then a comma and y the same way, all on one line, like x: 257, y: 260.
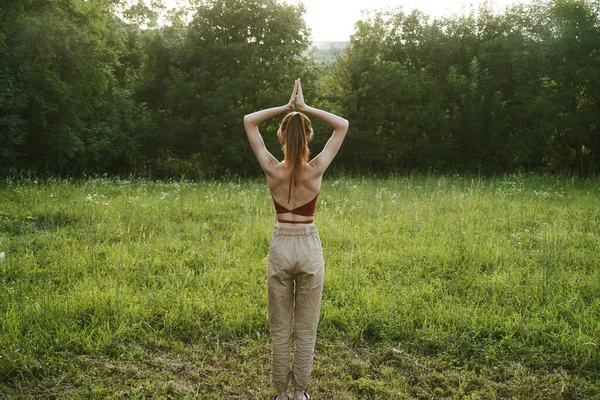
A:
x: 306, y: 210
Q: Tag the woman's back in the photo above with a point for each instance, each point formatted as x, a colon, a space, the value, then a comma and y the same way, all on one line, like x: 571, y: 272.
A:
x: 304, y: 187
x: 294, y: 194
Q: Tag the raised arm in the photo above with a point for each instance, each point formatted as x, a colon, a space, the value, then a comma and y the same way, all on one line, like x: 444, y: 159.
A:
x: 251, y: 122
x: 339, y: 125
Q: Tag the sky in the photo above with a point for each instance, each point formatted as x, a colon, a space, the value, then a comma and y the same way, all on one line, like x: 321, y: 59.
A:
x: 333, y: 20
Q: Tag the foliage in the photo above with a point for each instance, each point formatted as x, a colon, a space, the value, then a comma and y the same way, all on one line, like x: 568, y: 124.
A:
x: 480, y: 92
x: 95, y: 87
x: 68, y: 60
x: 234, y: 57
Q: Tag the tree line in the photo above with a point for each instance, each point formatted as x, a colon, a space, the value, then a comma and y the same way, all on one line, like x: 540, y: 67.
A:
x: 100, y: 87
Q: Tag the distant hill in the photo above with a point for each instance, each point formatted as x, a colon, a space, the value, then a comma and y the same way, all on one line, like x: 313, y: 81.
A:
x: 327, y: 51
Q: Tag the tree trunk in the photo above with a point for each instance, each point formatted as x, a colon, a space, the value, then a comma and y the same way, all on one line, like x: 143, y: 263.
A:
x: 580, y: 159
x: 592, y: 157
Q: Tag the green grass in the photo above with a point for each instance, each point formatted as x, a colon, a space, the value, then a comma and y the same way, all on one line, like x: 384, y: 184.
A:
x: 435, y: 287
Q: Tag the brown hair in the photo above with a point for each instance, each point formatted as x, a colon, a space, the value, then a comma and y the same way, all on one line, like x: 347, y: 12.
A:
x: 295, y: 132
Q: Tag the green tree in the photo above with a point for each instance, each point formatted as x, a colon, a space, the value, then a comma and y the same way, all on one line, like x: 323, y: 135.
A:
x: 571, y: 85
x: 69, y: 63
x: 479, y: 92
x: 235, y: 56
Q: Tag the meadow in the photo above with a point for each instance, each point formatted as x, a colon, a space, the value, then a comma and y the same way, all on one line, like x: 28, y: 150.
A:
x: 435, y: 287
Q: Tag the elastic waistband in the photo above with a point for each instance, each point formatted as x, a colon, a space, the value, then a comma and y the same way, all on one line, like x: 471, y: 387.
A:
x: 297, y: 230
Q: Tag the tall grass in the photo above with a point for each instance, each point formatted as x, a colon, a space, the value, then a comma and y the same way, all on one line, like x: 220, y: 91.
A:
x: 466, y: 269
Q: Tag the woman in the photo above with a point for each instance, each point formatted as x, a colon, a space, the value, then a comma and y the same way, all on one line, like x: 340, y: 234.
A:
x: 295, y: 267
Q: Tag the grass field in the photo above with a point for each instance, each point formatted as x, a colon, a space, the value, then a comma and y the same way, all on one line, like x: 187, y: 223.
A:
x: 435, y: 287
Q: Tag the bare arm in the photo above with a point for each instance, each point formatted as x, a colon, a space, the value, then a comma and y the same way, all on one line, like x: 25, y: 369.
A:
x: 339, y: 125
x: 251, y: 122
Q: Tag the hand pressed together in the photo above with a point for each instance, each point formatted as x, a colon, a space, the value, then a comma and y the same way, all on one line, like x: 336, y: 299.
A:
x: 297, y: 98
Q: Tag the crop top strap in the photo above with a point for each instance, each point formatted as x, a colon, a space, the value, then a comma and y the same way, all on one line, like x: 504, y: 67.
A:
x: 290, y: 189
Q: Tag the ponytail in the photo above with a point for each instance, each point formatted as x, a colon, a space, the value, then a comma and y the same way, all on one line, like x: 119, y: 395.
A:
x: 295, y: 132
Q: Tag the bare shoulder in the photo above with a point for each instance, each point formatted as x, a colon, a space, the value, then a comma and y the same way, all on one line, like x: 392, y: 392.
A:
x: 312, y: 177
x: 275, y: 170
x: 312, y: 170
x: 276, y: 174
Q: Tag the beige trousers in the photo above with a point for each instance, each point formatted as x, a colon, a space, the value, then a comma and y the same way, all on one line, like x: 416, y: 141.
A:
x: 295, y: 282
